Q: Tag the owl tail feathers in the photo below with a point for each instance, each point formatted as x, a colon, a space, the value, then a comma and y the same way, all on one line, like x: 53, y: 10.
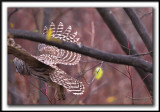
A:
x: 76, y: 89
x: 71, y: 84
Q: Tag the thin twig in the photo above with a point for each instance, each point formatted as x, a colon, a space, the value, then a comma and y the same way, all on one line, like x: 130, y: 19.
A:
x: 139, y: 98
x: 95, y: 89
x: 94, y: 76
x: 142, y: 54
x: 130, y: 72
x: 82, y: 74
x: 148, y: 13
x: 88, y: 61
x: 119, y: 71
x: 11, y: 13
x: 120, y: 36
x: 141, y: 81
x: 41, y: 92
x: 140, y: 28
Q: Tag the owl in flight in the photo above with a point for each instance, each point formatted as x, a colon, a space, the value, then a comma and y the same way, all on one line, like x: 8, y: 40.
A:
x: 49, y: 58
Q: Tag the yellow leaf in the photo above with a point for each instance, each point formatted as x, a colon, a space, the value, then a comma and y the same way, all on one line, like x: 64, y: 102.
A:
x: 35, y: 30
x: 98, y: 72
x: 110, y: 99
x: 49, y: 37
x: 12, y: 25
x: 11, y: 60
x: 49, y: 34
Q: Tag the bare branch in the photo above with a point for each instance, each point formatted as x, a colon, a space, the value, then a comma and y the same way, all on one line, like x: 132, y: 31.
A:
x: 85, y: 71
x: 116, y: 29
x: 119, y: 34
x: 140, y: 28
x: 146, y: 14
x: 89, y: 83
x: 24, y: 55
x: 142, y: 54
x: 139, y: 98
x: 11, y: 13
x: 101, y: 55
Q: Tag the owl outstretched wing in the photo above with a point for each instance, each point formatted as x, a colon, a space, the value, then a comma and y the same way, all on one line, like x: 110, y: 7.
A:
x: 50, y: 74
x: 60, y: 77
x: 53, y: 55
x: 71, y: 84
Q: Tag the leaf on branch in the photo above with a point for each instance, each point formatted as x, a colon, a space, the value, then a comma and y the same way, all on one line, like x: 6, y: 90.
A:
x: 50, y: 37
x: 49, y: 34
x: 98, y: 72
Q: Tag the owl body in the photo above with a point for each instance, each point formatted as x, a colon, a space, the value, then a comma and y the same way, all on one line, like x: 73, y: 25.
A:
x: 51, y: 56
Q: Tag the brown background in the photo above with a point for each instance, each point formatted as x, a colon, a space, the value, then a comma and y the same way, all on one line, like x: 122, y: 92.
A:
x: 93, y: 32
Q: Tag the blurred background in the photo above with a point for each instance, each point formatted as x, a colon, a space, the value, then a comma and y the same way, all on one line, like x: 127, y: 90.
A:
x: 113, y: 88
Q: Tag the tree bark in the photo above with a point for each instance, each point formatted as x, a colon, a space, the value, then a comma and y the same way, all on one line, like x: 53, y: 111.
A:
x: 119, y: 34
x: 101, y: 55
x: 140, y: 28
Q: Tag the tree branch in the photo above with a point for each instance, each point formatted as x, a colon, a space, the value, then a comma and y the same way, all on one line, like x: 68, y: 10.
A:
x: 11, y: 13
x: 22, y: 54
x: 140, y: 28
x: 117, y: 31
x: 108, y: 57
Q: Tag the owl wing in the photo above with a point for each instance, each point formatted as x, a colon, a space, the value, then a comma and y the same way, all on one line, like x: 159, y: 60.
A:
x: 53, y: 55
x: 61, y: 78
x: 32, y: 65
x: 71, y: 84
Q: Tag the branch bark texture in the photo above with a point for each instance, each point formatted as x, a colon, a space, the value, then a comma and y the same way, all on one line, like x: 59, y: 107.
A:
x: 140, y: 28
x: 119, y: 34
x: 108, y: 57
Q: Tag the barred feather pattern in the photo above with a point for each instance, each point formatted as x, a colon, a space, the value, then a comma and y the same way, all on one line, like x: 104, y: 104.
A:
x: 56, y: 75
x: 71, y: 84
x: 53, y: 55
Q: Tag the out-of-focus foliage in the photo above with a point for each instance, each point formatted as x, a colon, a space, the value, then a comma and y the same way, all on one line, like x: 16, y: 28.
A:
x: 35, y: 30
x: 110, y: 99
x: 12, y: 25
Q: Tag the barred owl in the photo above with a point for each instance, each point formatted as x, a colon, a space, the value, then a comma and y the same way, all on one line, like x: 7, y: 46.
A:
x: 49, y: 57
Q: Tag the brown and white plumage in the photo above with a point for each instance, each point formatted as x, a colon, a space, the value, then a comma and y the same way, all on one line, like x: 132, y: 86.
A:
x: 51, y: 56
